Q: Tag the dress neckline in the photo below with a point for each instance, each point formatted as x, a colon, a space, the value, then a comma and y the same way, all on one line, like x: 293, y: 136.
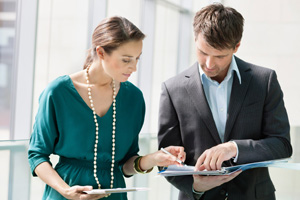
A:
x: 72, y: 86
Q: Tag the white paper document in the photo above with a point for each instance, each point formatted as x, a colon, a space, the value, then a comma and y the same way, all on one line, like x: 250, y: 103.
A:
x: 174, y: 170
x: 116, y: 190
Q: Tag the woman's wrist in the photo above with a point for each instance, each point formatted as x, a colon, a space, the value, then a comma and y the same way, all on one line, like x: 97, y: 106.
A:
x: 147, y: 162
x: 64, y: 191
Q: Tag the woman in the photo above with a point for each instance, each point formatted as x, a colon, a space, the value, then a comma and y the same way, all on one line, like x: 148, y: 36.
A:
x: 92, y: 119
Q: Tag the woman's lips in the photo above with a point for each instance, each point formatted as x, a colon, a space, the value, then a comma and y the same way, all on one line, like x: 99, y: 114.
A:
x: 127, y: 75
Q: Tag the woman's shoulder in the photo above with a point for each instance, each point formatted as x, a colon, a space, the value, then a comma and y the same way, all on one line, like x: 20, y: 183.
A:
x: 57, y: 85
x: 131, y: 88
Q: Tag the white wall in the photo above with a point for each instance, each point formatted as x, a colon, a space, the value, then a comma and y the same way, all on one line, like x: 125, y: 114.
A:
x: 271, y: 39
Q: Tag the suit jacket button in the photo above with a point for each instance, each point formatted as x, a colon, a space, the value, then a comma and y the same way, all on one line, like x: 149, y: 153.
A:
x: 223, y: 192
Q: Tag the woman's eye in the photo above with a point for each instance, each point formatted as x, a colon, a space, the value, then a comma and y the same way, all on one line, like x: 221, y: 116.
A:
x: 126, y: 61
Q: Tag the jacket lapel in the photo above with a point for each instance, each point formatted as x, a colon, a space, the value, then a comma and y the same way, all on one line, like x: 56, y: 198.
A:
x: 196, y: 93
x: 237, y: 97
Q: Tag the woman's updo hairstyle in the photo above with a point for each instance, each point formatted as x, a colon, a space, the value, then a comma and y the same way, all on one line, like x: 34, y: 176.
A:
x: 110, y: 34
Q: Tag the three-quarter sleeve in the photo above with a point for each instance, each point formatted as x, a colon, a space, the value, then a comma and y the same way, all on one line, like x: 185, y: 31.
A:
x: 44, y: 133
x: 139, y: 112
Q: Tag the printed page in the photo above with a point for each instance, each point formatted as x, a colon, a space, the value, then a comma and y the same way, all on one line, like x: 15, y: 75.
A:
x: 174, y: 170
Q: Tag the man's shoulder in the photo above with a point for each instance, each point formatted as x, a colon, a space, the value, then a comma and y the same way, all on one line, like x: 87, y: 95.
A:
x: 254, y: 68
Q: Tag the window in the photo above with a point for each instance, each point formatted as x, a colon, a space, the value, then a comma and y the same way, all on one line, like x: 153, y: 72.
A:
x: 7, y: 43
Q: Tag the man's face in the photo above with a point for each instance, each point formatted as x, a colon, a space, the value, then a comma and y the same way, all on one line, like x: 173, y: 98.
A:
x: 214, y: 62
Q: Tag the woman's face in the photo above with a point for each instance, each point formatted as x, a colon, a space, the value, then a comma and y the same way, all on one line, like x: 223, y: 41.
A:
x: 121, y: 63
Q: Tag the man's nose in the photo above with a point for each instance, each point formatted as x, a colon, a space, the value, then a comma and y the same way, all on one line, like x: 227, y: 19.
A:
x: 210, y: 62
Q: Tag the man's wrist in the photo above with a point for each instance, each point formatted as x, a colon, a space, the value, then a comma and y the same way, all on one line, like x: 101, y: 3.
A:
x: 196, y: 192
x: 235, y: 158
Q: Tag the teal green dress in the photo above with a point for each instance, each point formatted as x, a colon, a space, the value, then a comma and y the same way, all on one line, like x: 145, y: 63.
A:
x: 64, y: 126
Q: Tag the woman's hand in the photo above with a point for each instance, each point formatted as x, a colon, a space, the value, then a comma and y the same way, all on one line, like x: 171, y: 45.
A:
x: 77, y: 192
x: 163, y: 159
x: 51, y: 178
x: 159, y: 158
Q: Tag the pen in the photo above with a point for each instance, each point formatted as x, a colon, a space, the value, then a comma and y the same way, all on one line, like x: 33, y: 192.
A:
x: 177, y: 160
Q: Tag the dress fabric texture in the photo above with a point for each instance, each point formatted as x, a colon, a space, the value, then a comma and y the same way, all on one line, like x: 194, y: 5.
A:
x: 64, y: 126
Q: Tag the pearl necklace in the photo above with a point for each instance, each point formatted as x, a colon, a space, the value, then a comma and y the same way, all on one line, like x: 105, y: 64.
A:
x: 97, y: 128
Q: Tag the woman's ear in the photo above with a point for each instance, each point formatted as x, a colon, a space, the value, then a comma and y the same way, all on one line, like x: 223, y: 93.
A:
x: 100, y: 52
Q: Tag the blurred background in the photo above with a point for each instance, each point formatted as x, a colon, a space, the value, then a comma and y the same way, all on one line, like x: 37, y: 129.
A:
x: 43, y: 39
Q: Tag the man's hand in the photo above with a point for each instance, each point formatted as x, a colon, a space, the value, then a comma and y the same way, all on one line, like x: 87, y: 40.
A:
x: 204, y: 183
x: 212, y: 158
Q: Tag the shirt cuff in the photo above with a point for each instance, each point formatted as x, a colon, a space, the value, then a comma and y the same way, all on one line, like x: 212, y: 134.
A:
x: 197, y: 195
x: 237, y: 152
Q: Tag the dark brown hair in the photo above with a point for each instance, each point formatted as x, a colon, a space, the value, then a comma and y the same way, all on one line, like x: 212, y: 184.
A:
x: 221, y: 27
x: 110, y: 34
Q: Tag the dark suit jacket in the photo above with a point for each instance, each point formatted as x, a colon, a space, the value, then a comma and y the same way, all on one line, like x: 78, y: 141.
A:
x: 257, y: 121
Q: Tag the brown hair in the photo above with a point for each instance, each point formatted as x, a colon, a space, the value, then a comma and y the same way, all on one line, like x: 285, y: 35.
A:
x: 221, y: 27
x: 110, y: 34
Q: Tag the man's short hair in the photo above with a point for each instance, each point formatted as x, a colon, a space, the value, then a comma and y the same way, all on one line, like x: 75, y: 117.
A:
x: 221, y: 27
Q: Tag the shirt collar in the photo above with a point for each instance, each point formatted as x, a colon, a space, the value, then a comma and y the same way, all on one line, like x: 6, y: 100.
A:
x: 233, y: 67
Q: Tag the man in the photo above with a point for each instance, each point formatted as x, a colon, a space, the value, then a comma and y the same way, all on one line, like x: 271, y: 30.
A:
x: 224, y: 111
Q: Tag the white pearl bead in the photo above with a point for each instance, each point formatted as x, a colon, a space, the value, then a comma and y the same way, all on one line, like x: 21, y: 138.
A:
x: 97, y: 125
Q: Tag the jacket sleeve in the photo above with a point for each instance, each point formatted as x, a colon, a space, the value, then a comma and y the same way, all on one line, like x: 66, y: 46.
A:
x: 275, y: 129
x: 169, y: 134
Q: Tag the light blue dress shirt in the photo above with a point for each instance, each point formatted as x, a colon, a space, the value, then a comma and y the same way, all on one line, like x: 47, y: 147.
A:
x: 218, y: 95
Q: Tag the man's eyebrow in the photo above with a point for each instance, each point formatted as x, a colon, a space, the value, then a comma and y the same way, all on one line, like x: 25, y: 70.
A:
x: 215, y: 55
x: 201, y: 50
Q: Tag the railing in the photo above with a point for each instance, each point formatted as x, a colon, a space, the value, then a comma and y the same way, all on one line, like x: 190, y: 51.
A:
x: 17, y: 183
